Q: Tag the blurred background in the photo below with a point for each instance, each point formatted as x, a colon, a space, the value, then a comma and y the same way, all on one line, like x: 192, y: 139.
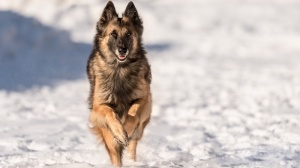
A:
x: 226, y: 80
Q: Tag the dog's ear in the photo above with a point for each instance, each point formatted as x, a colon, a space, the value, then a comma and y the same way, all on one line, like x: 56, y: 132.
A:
x: 132, y: 14
x: 108, y: 14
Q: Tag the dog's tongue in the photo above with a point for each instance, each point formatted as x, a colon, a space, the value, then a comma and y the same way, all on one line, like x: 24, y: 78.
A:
x: 122, y: 56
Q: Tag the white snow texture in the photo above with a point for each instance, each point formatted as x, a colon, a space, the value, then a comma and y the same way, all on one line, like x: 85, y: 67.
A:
x: 226, y: 83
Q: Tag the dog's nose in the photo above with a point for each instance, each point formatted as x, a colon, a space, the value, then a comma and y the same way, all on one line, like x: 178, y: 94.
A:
x: 122, y: 50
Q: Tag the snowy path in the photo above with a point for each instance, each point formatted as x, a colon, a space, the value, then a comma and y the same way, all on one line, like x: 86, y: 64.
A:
x: 226, y: 87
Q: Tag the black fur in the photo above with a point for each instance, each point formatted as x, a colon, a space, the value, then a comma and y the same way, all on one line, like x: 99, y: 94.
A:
x: 118, y: 81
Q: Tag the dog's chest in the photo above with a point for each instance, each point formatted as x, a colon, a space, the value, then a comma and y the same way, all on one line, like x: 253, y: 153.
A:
x: 119, y: 86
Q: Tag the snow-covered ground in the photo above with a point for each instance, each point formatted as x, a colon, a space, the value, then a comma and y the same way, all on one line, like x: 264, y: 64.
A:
x: 226, y: 83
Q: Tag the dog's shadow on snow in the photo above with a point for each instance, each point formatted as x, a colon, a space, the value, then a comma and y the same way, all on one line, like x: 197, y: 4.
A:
x: 32, y: 54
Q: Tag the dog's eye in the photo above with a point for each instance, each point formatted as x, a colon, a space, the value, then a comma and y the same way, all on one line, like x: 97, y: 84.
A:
x: 114, y: 34
x: 128, y: 34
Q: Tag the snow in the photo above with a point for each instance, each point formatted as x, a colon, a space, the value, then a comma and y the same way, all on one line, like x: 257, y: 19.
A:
x: 225, y: 84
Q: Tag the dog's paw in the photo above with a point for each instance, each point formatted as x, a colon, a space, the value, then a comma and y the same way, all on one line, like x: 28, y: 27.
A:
x: 133, y: 110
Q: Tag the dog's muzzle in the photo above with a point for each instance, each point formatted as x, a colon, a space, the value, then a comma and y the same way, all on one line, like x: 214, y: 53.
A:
x: 122, y: 53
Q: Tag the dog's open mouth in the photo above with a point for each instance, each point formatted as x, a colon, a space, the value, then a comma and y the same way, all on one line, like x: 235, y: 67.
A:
x: 122, y: 57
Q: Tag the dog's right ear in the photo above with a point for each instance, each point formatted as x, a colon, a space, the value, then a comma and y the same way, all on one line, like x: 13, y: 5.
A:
x: 132, y: 14
x: 108, y: 14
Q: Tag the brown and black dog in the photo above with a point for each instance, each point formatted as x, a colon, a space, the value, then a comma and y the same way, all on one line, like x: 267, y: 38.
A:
x: 120, y: 76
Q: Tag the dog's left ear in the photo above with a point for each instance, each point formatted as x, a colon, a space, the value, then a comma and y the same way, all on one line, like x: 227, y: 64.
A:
x: 132, y: 14
x: 108, y: 14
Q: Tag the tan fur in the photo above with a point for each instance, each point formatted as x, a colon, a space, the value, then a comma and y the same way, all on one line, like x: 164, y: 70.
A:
x: 120, y: 96
x: 134, y: 124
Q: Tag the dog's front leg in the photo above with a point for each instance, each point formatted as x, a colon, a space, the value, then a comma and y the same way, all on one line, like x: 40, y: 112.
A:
x: 137, y: 104
x: 107, y: 125
x: 131, y: 124
x: 103, y: 116
x: 132, y: 117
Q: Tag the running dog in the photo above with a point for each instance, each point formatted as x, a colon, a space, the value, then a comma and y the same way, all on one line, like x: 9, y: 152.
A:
x: 119, y: 74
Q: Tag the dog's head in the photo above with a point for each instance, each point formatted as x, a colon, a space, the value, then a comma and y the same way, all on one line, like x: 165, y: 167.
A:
x: 119, y: 39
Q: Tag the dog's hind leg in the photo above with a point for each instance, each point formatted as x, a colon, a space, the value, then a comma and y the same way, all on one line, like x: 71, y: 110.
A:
x: 132, y: 149
x: 137, y: 135
x: 130, y: 126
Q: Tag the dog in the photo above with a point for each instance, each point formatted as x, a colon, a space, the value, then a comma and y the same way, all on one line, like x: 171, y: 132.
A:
x: 119, y: 74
